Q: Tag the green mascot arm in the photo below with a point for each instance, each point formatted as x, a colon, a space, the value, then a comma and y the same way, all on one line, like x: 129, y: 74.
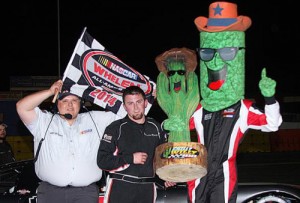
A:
x: 163, y: 94
x: 193, y: 96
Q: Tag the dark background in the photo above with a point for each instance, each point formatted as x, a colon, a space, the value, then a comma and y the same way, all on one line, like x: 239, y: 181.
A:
x: 39, y: 36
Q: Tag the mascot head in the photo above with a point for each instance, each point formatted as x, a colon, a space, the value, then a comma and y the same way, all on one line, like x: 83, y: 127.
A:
x: 177, y: 63
x: 222, y: 55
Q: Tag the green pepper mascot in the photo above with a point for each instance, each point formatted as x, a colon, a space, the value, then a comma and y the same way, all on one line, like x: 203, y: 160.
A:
x: 223, y: 116
x: 179, y: 160
x: 177, y: 86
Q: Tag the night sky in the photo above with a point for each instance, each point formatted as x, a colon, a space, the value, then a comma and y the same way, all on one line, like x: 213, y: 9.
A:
x: 39, y: 40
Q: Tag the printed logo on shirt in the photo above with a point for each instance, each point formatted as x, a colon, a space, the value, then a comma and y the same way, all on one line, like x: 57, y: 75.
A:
x: 107, y: 138
x: 150, y: 135
x: 228, y: 113
x: 85, y: 131
x: 207, y: 116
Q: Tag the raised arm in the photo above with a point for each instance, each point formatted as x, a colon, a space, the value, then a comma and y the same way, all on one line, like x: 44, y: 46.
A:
x: 25, y: 106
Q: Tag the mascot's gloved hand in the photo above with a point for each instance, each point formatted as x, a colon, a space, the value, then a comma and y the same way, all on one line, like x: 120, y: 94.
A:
x: 266, y: 85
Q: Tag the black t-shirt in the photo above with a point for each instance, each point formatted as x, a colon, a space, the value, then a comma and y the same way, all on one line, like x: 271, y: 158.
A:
x: 6, y: 153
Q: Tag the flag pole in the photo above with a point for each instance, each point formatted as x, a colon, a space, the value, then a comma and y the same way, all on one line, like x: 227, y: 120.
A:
x: 58, y: 47
x: 73, y: 54
x: 55, y: 96
x: 58, y: 37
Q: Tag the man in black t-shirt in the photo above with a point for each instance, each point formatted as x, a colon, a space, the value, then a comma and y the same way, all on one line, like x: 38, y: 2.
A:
x: 6, y: 153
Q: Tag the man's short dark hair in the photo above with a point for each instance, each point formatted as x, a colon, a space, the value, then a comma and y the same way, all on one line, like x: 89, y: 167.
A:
x: 133, y: 90
x: 3, y: 124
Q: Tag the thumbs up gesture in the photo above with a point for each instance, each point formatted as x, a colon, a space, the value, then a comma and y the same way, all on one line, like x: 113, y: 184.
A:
x: 266, y: 84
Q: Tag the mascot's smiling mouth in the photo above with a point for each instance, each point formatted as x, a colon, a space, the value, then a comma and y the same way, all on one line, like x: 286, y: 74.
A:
x: 177, y: 86
x: 216, y: 78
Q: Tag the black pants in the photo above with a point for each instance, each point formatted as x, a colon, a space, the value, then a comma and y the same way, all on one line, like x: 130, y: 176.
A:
x: 47, y: 193
x: 128, y: 192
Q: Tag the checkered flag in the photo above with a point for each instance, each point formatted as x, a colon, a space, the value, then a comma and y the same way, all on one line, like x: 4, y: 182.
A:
x: 98, y: 76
